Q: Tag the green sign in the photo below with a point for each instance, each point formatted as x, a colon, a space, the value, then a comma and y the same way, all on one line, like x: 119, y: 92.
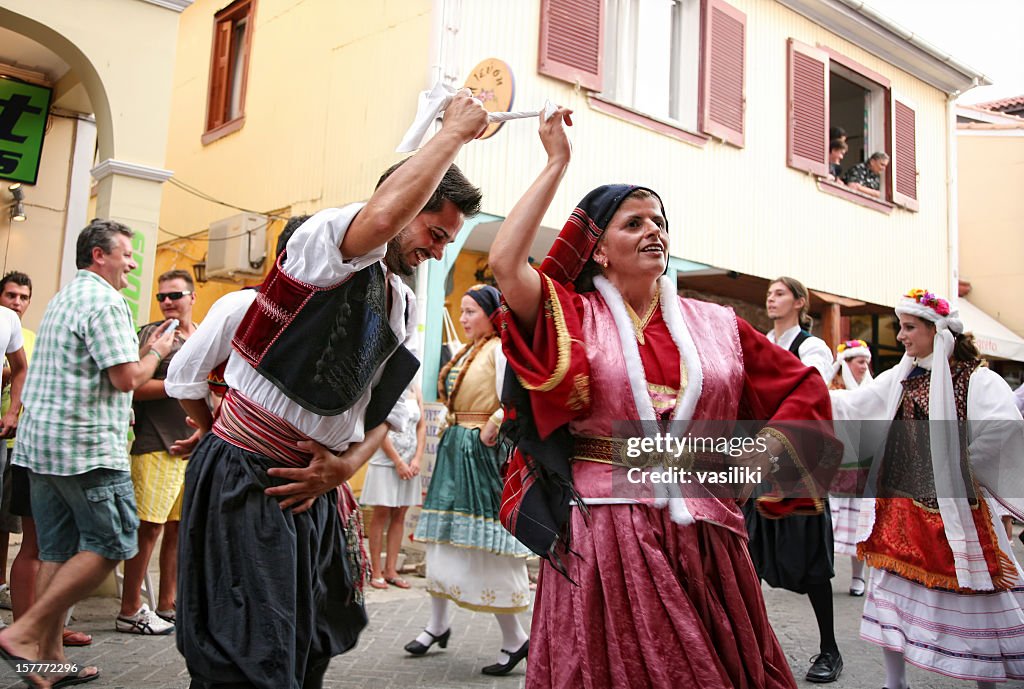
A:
x: 24, y: 109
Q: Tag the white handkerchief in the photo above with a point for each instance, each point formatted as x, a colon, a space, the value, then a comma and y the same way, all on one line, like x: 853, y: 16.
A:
x: 431, y: 104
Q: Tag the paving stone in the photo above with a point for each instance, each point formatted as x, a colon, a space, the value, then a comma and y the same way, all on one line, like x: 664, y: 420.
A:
x: 130, y: 661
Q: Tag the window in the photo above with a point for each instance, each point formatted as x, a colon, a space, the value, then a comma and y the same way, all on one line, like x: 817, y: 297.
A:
x: 827, y: 89
x: 679, y: 62
x: 652, y: 52
x: 858, y: 106
x: 229, y: 68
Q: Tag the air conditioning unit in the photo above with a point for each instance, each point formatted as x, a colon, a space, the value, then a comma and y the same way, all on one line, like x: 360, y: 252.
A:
x: 238, y: 246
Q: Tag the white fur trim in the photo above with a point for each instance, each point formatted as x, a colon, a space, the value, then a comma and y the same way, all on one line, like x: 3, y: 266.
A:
x: 666, y: 495
x: 630, y: 352
x: 673, y: 315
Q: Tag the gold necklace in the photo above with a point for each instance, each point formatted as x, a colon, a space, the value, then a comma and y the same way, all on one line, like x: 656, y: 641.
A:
x: 639, y: 324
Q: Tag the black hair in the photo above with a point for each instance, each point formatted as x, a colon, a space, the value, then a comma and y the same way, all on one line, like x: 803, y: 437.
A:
x: 454, y: 187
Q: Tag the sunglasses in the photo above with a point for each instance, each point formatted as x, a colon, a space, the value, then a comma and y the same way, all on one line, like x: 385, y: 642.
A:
x: 160, y: 296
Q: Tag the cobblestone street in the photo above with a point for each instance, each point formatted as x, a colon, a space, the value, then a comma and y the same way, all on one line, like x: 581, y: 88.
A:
x: 396, y: 616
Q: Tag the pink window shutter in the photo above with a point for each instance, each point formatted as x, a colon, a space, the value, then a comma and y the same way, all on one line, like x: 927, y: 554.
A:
x: 807, y: 109
x: 723, y: 58
x: 572, y: 41
x: 904, y: 159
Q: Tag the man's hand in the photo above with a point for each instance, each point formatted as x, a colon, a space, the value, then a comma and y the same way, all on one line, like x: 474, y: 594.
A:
x: 325, y: 472
x: 160, y: 340
x: 9, y: 424
x: 465, y: 116
x: 184, y: 447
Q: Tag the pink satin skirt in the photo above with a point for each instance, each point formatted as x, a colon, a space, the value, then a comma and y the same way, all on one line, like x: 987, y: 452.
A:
x: 658, y: 606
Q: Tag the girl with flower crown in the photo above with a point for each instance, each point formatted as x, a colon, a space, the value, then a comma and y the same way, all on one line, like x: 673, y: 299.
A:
x: 851, y: 370
x: 946, y: 593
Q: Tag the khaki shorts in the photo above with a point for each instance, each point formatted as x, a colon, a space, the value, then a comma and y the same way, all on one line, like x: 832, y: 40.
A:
x: 159, y: 480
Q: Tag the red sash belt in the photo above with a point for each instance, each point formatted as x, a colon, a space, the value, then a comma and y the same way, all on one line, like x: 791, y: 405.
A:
x: 245, y: 424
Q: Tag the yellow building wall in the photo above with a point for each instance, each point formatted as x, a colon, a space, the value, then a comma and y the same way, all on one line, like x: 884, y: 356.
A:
x: 331, y: 88
x: 740, y: 209
x: 991, y: 171
x: 184, y: 253
x: 121, y: 57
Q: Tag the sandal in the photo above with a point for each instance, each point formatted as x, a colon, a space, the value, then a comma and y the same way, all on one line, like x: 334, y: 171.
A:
x: 19, y: 665
x: 73, y: 638
x: 398, y: 582
x: 81, y: 678
x: 379, y: 583
x: 857, y: 591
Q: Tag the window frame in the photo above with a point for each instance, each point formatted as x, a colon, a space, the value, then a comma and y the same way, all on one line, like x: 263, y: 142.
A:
x: 853, y: 71
x: 232, y: 15
x: 883, y: 118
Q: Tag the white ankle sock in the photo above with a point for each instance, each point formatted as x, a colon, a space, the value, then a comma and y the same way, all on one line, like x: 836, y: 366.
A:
x: 895, y: 670
x: 513, y: 636
x: 438, y: 624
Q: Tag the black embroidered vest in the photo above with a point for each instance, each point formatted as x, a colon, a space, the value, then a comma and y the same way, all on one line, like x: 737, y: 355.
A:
x: 321, y: 346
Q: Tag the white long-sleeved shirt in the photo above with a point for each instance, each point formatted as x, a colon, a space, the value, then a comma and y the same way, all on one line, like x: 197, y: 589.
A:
x: 314, y: 257
x: 813, y: 351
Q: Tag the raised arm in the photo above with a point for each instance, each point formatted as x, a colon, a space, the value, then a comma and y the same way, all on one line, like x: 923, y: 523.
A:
x: 404, y: 194
x: 519, y: 283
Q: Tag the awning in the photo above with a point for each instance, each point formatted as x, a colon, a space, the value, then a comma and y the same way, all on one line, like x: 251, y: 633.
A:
x: 993, y: 338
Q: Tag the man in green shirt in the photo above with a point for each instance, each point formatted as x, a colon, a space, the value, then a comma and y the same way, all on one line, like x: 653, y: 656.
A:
x: 73, y: 440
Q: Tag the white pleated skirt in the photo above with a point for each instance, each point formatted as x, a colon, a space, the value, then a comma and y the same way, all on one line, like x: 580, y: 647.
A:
x: 383, y: 488
x: 478, y: 580
x: 845, y: 512
x: 970, y: 636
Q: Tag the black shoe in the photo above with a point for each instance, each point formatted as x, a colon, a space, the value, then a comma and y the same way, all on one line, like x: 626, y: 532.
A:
x: 513, y: 659
x: 859, y: 590
x: 418, y: 649
x: 825, y: 667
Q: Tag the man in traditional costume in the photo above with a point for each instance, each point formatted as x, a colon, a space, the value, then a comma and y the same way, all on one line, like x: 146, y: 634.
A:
x: 270, y: 584
x: 946, y: 593
x: 658, y: 589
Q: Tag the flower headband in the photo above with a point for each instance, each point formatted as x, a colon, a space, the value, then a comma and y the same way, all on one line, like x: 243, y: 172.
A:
x: 930, y: 307
x: 933, y: 302
x: 852, y: 349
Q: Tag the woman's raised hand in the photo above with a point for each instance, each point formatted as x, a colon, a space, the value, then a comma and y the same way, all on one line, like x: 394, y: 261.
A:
x: 553, y: 136
x: 509, y: 257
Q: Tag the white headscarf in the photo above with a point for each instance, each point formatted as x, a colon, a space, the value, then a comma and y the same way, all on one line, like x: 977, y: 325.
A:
x: 957, y: 520
x: 851, y: 349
